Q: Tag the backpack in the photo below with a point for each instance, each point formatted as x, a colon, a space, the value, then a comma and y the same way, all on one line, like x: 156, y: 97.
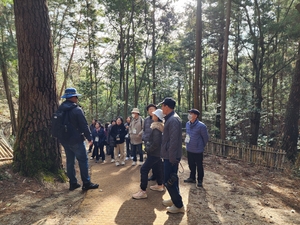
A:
x: 61, y: 127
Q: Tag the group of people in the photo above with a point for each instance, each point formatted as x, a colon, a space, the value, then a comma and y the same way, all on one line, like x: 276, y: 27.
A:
x: 161, y: 133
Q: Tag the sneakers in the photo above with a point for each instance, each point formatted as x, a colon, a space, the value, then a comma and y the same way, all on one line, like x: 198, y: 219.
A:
x: 112, y: 160
x: 140, y: 195
x: 97, y: 160
x: 167, y: 202
x: 190, y: 180
x: 141, y: 163
x: 157, y: 187
x: 103, y: 162
x: 88, y: 186
x: 133, y: 163
x: 122, y: 163
x: 126, y: 158
x: 174, y: 209
x: 117, y: 164
x: 74, y: 186
x: 91, y: 158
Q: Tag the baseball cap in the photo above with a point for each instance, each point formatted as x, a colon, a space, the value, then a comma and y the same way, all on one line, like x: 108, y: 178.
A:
x: 170, y: 102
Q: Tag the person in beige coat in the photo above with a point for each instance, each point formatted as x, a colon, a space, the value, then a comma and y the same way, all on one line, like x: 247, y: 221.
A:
x: 136, y: 132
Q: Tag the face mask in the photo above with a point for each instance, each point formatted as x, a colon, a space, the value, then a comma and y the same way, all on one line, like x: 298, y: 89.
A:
x: 190, y: 117
x: 132, y: 115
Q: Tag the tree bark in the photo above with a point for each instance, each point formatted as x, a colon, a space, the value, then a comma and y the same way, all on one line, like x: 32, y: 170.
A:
x: 220, y: 65
x: 198, y: 63
x: 3, y: 67
x: 290, y: 129
x: 34, y: 149
x: 224, y: 71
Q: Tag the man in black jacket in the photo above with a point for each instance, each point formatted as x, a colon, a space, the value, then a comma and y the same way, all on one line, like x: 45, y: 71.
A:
x: 74, y: 146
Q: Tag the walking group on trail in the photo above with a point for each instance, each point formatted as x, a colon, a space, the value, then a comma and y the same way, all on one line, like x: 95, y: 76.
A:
x: 160, y: 132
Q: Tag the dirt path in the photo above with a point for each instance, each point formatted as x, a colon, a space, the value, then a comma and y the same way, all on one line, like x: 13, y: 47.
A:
x: 233, y: 193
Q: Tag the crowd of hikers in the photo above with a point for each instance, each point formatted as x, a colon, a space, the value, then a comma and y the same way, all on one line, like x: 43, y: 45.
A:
x: 159, y: 135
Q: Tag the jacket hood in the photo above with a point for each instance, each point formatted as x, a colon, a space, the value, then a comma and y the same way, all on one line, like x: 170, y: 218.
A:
x: 157, y: 125
x: 67, y: 105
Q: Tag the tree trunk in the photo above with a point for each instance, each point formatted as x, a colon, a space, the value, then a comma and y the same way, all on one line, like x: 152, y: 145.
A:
x: 8, y: 94
x: 224, y: 71
x: 198, y: 63
x: 220, y: 64
x: 290, y: 129
x: 34, y: 149
x: 153, y: 54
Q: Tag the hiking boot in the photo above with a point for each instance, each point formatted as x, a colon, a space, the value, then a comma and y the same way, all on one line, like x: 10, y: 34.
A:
x: 199, y: 184
x: 88, y: 186
x: 174, y: 209
x: 140, y: 195
x: 133, y: 163
x: 74, y: 186
x: 190, y: 180
x: 157, y: 187
x: 167, y: 202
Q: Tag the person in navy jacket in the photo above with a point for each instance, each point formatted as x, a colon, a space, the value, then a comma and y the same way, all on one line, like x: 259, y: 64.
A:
x: 118, y: 133
x: 74, y: 146
x: 98, y: 140
x: 196, y: 139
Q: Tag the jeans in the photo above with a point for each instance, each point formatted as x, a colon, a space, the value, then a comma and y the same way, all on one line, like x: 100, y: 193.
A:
x: 137, y: 149
x: 173, y: 190
x: 195, y: 160
x: 155, y: 164
x: 77, y: 150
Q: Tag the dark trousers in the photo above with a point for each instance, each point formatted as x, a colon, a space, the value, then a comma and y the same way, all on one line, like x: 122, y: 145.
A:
x: 111, y: 151
x: 155, y: 164
x: 91, y: 147
x: 195, y: 161
x: 169, y: 170
x: 137, y: 149
x: 102, y: 154
x: 96, y: 151
x: 128, y: 153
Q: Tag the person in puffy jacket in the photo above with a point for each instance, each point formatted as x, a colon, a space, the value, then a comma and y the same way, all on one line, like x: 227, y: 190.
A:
x: 110, y: 141
x: 153, y: 161
x: 147, y: 130
x: 196, y: 139
x: 118, y: 132
x: 171, y: 152
x: 98, y: 140
x: 74, y: 146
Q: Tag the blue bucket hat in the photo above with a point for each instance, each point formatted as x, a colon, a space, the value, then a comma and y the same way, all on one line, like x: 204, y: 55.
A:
x: 70, y: 92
